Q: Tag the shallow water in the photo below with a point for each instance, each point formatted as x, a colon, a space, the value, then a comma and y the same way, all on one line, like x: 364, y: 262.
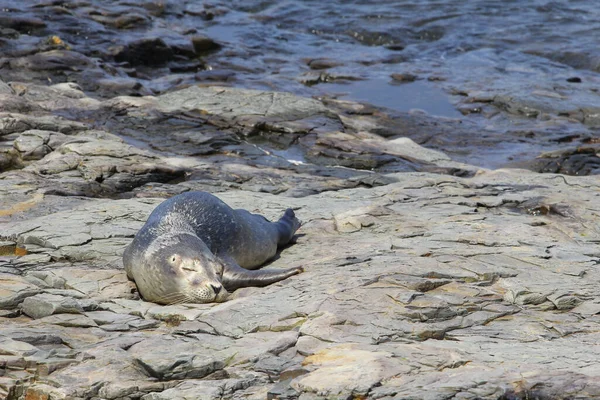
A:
x: 402, y: 97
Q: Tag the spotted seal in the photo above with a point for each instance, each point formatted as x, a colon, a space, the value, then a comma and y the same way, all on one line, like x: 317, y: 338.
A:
x: 193, y: 245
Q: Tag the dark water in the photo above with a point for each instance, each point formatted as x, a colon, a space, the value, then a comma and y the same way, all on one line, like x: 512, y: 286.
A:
x: 457, y: 52
x: 370, y: 38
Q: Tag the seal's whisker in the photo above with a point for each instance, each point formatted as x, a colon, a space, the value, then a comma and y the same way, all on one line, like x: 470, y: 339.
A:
x: 181, y: 300
x: 173, y: 298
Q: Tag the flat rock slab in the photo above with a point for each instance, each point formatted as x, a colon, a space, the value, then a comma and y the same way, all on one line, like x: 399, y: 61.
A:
x: 432, y: 257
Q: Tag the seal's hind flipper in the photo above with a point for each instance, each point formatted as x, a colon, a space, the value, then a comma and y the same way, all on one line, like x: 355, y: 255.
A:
x: 287, y: 225
x: 235, y: 277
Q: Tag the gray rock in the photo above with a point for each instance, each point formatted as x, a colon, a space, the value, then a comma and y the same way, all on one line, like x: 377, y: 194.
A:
x: 69, y: 320
x: 12, y: 347
x: 14, y: 289
x: 43, y: 305
x: 201, y: 390
x: 226, y: 102
x: 174, y: 359
x: 336, y: 377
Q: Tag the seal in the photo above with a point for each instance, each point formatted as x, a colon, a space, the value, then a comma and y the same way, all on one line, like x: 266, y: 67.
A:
x: 193, y: 245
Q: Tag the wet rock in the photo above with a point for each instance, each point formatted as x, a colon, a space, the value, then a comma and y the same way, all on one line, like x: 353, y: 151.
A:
x: 216, y: 76
x: 203, y: 44
x: 130, y: 21
x: 17, y: 123
x: 53, y: 60
x: 323, y: 63
x: 148, y: 51
x: 22, y: 25
x: 578, y: 161
x: 312, y: 78
x: 203, y: 11
x: 404, y: 77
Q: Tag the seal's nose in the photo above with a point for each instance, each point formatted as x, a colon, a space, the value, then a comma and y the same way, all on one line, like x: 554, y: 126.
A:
x: 216, y: 287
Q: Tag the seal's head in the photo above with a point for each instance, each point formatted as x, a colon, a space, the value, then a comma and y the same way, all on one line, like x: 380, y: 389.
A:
x: 179, y: 268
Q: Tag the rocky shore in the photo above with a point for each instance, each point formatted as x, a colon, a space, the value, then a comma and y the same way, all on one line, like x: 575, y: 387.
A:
x: 430, y: 271
x: 424, y: 277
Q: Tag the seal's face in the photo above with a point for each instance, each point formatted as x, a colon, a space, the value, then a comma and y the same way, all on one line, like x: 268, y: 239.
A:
x: 180, y: 269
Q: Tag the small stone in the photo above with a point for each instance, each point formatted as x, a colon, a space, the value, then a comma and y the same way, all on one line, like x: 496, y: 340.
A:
x: 564, y: 301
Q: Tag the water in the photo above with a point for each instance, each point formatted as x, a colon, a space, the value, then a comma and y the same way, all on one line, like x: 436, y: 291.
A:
x: 456, y: 50
x: 402, y: 97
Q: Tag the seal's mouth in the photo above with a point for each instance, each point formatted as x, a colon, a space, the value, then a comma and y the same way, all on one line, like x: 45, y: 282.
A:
x: 197, y: 291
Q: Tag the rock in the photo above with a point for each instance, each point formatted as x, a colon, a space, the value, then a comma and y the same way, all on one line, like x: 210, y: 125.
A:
x: 203, y: 44
x: 23, y: 25
x: 77, y: 321
x: 105, y: 365
x: 12, y: 347
x: 354, y: 220
x: 4, y: 88
x: 53, y: 60
x: 43, y: 305
x: 147, y: 51
x: 404, y: 77
x: 583, y: 160
x: 174, y: 359
x: 346, y: 371
x: 14, y: 289
x: 220, y: 100
x: 201, y: 390
x: 323, y: 63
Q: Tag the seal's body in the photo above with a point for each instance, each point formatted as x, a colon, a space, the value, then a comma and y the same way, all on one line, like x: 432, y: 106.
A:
x: 193, y: 245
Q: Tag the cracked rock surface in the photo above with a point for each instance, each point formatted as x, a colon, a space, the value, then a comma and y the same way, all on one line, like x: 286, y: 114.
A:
x: 424, y: 277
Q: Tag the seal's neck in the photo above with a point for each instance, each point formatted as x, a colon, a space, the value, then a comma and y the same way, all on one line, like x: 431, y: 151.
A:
x: 174, y: 224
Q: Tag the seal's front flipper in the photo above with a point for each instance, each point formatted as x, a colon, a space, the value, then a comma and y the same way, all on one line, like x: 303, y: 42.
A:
x: 235, y: 277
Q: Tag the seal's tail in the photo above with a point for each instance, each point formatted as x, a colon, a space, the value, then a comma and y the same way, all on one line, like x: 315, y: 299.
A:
x: 288, y: 224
